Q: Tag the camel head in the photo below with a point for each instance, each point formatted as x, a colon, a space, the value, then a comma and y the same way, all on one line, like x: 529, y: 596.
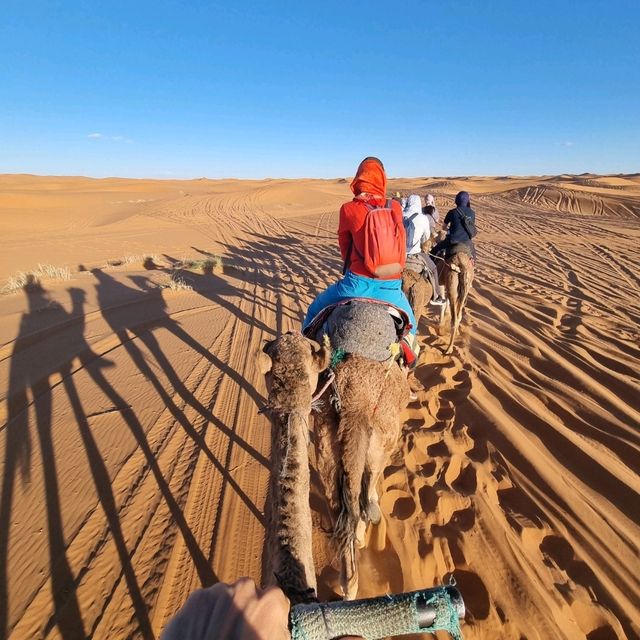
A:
x: 292, y: 364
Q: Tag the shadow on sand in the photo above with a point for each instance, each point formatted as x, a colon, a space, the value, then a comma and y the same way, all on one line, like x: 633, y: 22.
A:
x: 49, y: 343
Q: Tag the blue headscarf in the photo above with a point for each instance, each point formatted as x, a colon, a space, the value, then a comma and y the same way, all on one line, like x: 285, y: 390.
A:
x: 463, y: 199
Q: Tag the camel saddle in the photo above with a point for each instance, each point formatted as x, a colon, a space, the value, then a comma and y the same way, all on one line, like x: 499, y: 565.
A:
x: 362, y: 326
x: 416, y: 263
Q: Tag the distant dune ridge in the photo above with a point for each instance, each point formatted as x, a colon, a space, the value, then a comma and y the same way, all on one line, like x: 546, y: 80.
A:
x: 134, y: 463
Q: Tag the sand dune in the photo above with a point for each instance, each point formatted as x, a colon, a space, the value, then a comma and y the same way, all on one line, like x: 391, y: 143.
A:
x: 135, y: 464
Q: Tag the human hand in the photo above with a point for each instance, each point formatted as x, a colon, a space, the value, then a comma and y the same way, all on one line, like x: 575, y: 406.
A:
x: 238, y: 611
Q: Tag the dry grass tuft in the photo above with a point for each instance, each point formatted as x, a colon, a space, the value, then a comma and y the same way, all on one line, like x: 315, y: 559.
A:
x: 214, y: 263
x: 28, y: 279
x: 207, y: 265
x: 147, y: 260
x: 175, y: 282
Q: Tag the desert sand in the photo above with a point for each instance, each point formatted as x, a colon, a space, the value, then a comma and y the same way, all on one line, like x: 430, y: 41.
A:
x: 134, y: 463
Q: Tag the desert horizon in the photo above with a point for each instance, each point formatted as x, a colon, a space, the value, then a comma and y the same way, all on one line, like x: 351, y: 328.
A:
x: 135, y: 463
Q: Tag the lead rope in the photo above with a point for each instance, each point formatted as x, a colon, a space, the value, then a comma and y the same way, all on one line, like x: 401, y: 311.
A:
x: 330, y: 379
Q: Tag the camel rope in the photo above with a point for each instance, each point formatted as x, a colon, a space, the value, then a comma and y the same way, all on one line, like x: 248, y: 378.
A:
x: 330, y: 379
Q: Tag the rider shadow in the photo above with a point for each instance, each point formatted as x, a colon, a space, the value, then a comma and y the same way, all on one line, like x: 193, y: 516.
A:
x: 289, y: 256
x: 155, y: 308
x: 253, y: 266
x: 153, y: 300
x: 216, y: 289
x: 290, y: 269
x: 29, y: 373
x: 307, y: 259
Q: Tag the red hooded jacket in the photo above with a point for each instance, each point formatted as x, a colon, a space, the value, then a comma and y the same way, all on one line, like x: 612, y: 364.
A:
x: 369, y: 187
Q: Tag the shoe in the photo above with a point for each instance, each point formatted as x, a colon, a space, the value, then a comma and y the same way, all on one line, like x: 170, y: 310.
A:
x: 439, y: 301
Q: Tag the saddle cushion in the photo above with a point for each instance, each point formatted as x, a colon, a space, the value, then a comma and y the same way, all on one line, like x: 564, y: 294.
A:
x: 362, y: 328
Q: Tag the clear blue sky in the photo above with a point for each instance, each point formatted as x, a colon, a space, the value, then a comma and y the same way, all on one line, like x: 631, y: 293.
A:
x: 297, y: 88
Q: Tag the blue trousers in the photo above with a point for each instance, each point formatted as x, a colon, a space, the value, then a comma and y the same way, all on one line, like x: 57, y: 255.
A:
x: 355, y: 286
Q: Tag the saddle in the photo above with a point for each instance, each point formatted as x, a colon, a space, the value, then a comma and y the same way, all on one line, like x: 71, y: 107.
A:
x: 444, y: 256
x: 363, y: 326
x: 416, y: 263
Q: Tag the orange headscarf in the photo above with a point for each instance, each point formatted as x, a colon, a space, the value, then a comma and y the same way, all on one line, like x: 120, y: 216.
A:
x: 370, y: 178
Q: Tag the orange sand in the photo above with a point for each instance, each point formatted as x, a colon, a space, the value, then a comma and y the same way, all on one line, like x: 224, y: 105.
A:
x: 134, y: 464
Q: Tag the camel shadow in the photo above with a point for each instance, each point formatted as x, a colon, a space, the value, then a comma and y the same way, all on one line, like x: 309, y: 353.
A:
x: 288, y: 268
x: 36, y: 363
x: 218, y: 290
x: 29, y: 385
x: 130, y: 332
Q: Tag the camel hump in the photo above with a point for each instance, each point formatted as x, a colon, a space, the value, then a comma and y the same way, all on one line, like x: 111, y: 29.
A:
x: 362, y: 328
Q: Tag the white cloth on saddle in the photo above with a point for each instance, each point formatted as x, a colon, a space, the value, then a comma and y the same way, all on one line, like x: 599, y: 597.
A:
x: 362, y: 328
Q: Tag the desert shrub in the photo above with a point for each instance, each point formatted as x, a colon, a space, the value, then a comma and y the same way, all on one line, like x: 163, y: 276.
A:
x: 28, y: 279
x: 175, y: 282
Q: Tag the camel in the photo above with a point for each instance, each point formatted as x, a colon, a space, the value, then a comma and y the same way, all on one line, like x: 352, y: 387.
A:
x: 418, y: 290
x: 416, y: 286
x: 354, y: 436
x: 458, y: 280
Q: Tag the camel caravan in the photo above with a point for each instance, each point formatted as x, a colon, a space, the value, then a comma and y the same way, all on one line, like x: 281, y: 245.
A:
x: 341, y: 384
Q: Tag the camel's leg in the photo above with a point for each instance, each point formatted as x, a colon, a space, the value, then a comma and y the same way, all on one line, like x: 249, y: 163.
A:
x: 465, y: 286
x: 444, y: 293
x: 443, y: 309
x: 327, y: 456
x: 353, y: 435
x: 349, y: 573
x: 376, y: 459
x: 455, y: 323
x: 416, y: 304
x: 453, y: 297
x: 462, y: 291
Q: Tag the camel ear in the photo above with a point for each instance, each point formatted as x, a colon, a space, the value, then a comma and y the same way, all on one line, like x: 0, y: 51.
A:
x: 264, y: 359
x: 264, y: 362
x: 321, y: 355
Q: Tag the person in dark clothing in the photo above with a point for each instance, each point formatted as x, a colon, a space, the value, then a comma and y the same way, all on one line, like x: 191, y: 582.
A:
x: 460, y: 223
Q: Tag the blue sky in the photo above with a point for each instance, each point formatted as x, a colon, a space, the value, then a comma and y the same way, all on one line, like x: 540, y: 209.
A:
x: 295, y: 88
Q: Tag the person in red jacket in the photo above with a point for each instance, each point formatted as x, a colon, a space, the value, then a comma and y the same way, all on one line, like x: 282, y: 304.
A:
x: 369, y: 188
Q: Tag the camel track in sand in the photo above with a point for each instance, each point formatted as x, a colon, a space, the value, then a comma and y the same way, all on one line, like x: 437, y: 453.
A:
x: 134, y: 411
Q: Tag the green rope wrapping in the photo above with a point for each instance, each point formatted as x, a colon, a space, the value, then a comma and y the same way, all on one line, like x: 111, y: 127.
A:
x: 446, y: 615
x: 375, y: 618
x: 337, y: 357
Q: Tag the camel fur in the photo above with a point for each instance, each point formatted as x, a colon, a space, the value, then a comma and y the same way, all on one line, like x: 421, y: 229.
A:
x: 354, y: 437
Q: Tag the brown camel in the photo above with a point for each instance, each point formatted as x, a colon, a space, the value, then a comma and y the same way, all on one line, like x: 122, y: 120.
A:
x: 458, y: 280
x: 418, y: 290
x: 355, y: 434
x: 417, y: 287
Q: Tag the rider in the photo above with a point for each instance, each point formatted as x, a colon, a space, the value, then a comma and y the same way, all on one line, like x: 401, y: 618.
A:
x: 460, y: 233
x: 434, y: 214
x: 369, y: 188
x: 418, y: 228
